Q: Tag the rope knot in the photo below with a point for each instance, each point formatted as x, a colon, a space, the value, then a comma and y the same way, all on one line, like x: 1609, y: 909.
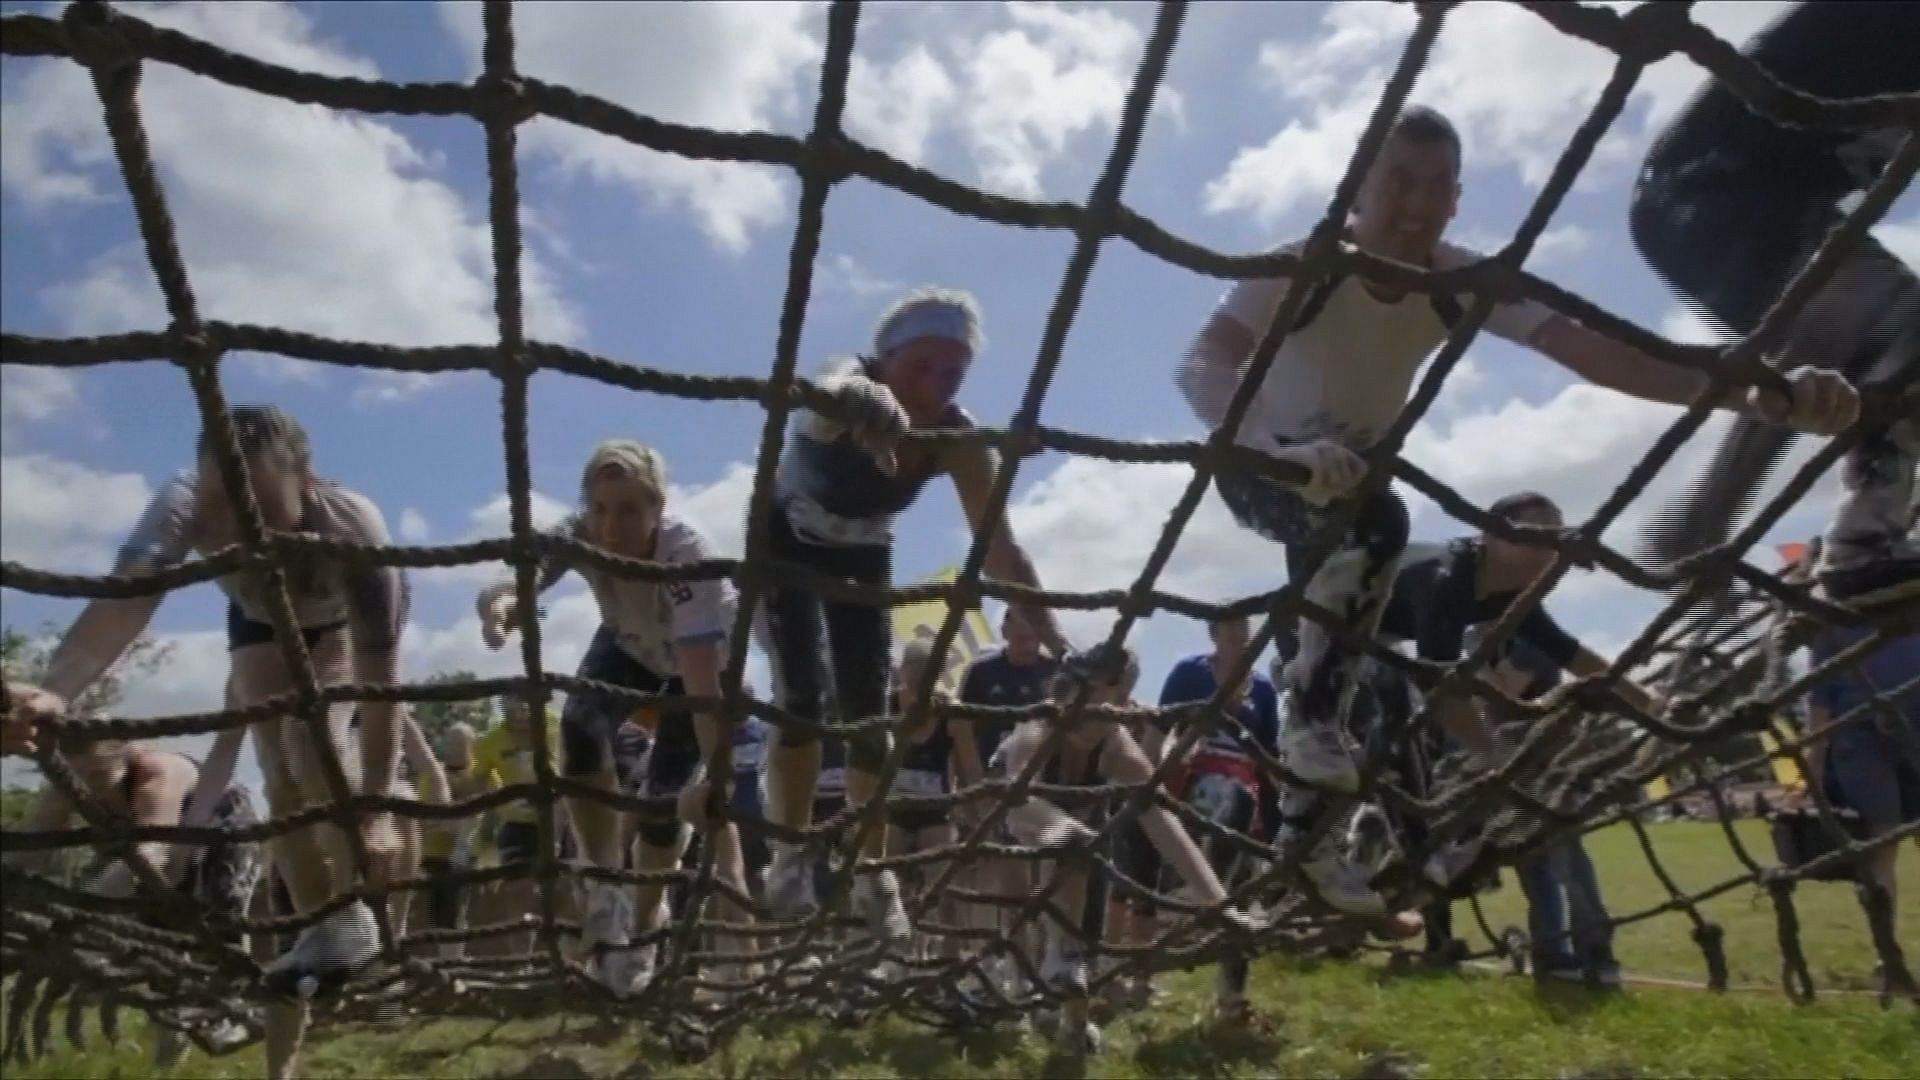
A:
x: 1654, y: 31
x: 96, y: 37
x: 505, y: 98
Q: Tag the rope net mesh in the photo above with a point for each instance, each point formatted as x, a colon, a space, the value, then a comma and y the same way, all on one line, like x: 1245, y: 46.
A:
x: 1572, y: 771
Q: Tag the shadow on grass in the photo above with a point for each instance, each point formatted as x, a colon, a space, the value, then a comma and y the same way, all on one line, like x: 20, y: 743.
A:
x: 1413, y: 970
x: 547, y: 1066
x: 1211, y: 1048
x: 1566, y: 1003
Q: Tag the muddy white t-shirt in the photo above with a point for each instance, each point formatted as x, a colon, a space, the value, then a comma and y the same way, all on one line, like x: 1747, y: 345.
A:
x: 651, y: 618
x: 1347, y: 375
x: 372, y: 598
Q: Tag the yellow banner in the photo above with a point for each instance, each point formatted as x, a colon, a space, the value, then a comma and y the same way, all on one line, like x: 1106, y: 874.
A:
x: 923, y: 620
x: 1786, y: 772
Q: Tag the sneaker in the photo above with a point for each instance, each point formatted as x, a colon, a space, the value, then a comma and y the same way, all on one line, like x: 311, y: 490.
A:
x: 790, y: 884
x: 1230, y: 985
x: 1449, y: 864
x: 608, y: 921
x: 1884, y: 579
x: 1318, y: 755
x: 1342, y: 885
x: 1560, y: 969
x: 169, y: 1047
x: 1064, y: 969
x: 1447, y: 956
x: 328, y: 952
x: 1083, y: 1040
x: 226, y: 1035
x: 1607, y: 975
x: 1246, y: 920
x: 876, y: 898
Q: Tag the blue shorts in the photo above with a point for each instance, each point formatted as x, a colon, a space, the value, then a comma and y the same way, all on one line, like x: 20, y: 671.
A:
x: 1870, y: 772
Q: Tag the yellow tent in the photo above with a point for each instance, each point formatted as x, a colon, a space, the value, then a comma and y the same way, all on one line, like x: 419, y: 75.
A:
x: 923, y: 620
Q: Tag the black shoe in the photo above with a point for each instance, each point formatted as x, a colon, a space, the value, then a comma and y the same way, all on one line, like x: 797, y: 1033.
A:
x: 1559, y: 969
x: 1874, y: 581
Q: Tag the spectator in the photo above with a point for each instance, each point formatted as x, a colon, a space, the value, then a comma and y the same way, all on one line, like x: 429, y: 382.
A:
x: 1568, y: 926
x: 1869, y: 757
x: 447, y: 846
x: 1223, y: 781
x: 1017, y: 674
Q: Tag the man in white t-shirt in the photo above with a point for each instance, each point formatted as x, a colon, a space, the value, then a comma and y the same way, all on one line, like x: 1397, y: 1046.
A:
x: 1339, y: 380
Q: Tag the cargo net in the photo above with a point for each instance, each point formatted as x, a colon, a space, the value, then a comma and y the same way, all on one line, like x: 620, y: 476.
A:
x: 1582, y: 764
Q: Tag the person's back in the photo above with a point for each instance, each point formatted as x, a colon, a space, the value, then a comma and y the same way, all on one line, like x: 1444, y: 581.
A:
x: 999, y: 679
x: 1888, y: 671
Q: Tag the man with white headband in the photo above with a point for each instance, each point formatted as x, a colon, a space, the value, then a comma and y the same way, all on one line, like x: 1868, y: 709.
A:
x: 837, y: 490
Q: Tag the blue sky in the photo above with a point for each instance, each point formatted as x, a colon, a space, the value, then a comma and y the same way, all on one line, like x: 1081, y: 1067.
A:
x: 375, y: 228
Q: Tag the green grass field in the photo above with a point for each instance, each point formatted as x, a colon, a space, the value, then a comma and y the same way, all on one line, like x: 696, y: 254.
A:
x: 1314, y: 1018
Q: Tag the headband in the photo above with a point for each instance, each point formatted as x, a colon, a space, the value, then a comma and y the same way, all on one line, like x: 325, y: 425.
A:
x: 929, y: 320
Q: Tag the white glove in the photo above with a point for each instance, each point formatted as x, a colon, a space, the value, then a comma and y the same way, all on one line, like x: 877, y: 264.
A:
x: 462, y: 857
x: 495, y: 607
x: 873, y: 419
x: 1822, y: 402
x: 1335, y: 470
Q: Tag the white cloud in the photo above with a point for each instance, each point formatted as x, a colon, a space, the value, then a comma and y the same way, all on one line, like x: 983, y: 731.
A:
x: 30, y: 394
x: 847, y: 274
x: 413, y: 526
x: 1090, y: 525
x: 291, y: 215
x: 63, y: 516
x: 1303, y: 161
x: 193, y: 679
x: 1011, y: 90
x: 1685, y: 326
x: 496, y: 517
x: 1516, y: 88
x: 1902, y: 238
x: 735, y: 66
x: 1556, y: 245
x: 492, y: 520
x: 1056, y: 73
x: 1667, y: 86
x: 896, y: 106
x: 719, y: 509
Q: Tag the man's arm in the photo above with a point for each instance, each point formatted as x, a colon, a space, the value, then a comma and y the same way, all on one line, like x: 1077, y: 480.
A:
x: 1440, y: 640
x: 1550, y: 639
x: 1587, y: 663
x: 1210, y: 373
x: 1823, y: 402
x: 974, y: 467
